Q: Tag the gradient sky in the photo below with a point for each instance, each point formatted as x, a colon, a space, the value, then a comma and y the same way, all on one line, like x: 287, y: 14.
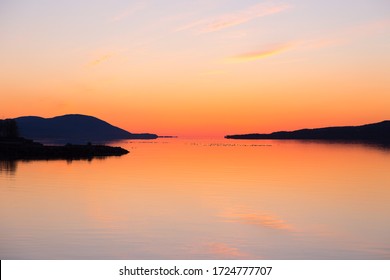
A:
x: 197, y: 68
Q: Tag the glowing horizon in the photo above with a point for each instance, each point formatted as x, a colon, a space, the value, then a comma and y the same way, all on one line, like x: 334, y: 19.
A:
x: 197, y: 69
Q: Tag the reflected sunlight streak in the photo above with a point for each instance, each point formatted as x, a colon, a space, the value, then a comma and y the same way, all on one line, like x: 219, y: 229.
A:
x: 260, y: 219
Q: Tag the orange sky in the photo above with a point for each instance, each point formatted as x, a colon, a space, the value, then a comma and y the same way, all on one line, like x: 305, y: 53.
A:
x: 197, y: 69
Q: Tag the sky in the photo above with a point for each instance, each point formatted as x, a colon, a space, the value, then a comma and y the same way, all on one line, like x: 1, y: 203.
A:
x: 197, y: 68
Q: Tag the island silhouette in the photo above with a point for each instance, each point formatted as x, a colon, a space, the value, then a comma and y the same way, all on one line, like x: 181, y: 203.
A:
x: 73, y: 128
x: 375, y: 132
x: 17, y: 138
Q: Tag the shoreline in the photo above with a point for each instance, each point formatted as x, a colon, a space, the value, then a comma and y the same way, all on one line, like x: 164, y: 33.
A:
x: 21, y: 148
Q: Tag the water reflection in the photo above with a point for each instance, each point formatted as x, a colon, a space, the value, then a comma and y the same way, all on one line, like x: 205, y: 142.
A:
x: 223, y: 251
x: 8, y: 166
x: 190, y: 199
x: 258, y: 219
x: 380, y: 145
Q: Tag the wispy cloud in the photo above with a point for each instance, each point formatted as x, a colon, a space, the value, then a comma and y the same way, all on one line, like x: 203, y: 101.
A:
x: 236, y: 18
x: 260, y: 54
x: 338, y: 38
x: 192, y: 25
x: 132, y: 9
x: 244, y: 16
x: 100, y: 59
x: 348, y: 35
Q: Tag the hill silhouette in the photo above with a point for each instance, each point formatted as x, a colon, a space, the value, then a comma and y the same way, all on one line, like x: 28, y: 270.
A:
x: 379, y: 132
x: 74, y: 128
x: 13, y: 147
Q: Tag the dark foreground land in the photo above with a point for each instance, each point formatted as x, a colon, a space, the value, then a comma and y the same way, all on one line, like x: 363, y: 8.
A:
x: 376, y: 132
x: 21, y: 148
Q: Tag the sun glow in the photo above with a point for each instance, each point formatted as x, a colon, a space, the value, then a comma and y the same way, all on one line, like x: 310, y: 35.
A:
x: 197, y: 69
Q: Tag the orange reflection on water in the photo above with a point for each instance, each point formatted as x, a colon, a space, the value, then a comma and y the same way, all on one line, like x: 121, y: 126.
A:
x: 259, y: 219
x: 222, y: 250
x: 248, y: 199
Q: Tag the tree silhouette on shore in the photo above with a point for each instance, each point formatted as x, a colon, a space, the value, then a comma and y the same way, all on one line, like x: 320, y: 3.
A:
x: 8, y: 129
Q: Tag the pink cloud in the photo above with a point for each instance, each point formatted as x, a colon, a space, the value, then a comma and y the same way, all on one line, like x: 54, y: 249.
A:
x: 260, y: 54
x: 236, y: 18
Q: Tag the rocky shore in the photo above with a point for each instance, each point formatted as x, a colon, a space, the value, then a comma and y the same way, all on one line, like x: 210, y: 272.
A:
x: 21, y: 148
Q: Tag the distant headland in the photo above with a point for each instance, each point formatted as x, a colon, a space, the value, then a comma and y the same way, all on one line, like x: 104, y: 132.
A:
x: 375, y: 132
x: 74, y: 128
x: 15, y: 147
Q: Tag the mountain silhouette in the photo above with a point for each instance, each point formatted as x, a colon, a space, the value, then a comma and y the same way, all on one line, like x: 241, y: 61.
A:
x: 370, y: 132
x: 74, y: 128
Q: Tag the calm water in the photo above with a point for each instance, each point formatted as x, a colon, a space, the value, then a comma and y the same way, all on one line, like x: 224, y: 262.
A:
x: 198, y: 199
